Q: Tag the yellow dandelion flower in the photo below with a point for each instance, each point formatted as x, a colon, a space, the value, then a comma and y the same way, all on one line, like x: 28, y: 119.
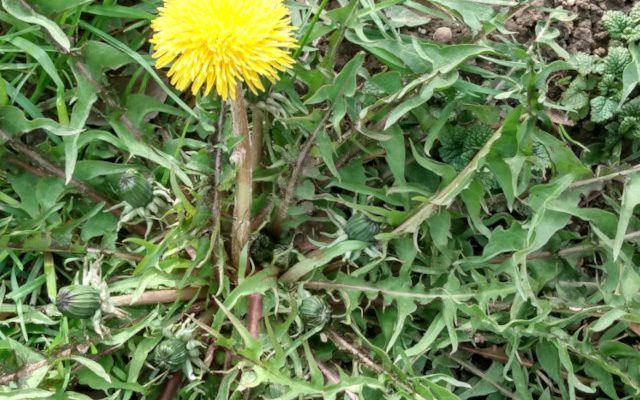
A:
x: 218, y: 43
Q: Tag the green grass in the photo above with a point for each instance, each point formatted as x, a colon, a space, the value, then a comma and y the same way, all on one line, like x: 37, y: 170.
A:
x: 499, y: 181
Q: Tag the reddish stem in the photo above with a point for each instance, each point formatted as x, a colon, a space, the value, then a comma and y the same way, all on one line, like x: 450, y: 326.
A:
x: 254, y: 314
x: 172, y: 386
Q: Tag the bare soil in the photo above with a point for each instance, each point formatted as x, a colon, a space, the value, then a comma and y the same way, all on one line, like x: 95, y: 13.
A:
x: 583, y: 34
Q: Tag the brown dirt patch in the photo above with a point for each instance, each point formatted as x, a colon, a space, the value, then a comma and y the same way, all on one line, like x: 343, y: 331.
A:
x: 583, y: 34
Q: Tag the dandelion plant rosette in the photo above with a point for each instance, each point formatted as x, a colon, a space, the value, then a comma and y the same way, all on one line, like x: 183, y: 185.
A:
x: 218, y: 43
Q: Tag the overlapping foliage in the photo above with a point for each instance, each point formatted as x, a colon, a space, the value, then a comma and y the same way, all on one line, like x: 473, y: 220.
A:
x: 497, y: 179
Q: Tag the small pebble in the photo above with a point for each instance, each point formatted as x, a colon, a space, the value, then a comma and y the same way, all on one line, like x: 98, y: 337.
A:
x: 443, y: 35
x: 571, y: 3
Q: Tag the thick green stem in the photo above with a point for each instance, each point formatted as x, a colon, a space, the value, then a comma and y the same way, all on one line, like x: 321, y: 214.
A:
x: 241, y: 231
x: 254, y: 312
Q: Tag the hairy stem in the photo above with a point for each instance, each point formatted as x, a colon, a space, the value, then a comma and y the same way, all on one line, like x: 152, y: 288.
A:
x: 254, y: 312
x: 218, y: 253
x: 241, y: 231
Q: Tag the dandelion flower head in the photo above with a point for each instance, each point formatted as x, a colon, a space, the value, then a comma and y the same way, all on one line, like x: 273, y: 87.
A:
x: 218, y: 43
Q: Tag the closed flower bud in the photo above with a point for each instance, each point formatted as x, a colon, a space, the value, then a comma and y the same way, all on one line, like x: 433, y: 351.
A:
x: 171, y: 354
x: 360, y: 227
x: 135, y: 189
x: 314, y: 311
x: 78, y: 301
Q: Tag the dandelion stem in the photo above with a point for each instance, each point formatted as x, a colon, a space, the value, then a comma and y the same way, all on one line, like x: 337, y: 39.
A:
x: 254, y: 312
x: 241, y: 230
